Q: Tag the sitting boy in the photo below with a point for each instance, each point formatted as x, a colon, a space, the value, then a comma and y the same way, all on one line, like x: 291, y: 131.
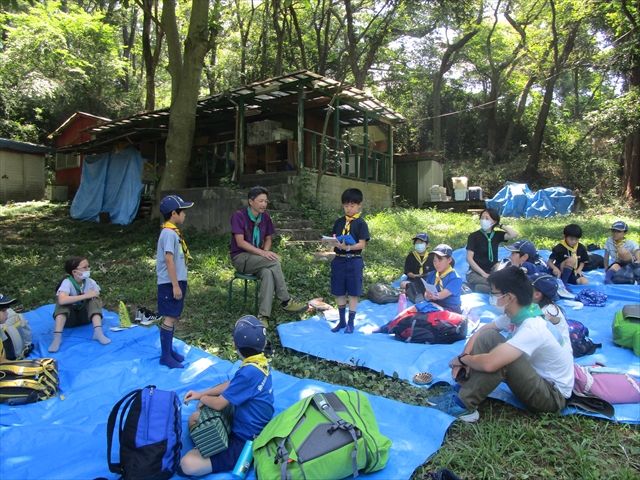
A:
x: 445, y: 279
x: 416, y: 266
x: 533, y: 360
x: 525, y: 256
x: 250, y: 391
x: 569, y: 257
x: 619, y: 249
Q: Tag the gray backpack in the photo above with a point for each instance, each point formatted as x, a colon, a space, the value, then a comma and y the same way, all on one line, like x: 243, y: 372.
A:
x: 15, y: 334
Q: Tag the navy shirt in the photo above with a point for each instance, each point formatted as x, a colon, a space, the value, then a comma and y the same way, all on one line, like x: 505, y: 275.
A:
x: 359, y: 231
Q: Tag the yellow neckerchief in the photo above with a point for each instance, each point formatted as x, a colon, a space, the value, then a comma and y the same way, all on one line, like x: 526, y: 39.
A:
x: 183, y: 244
x: 259, y: 361
x: 573, y: 252
x: 617, y: 244
x: 347, y: 224
x: 421, y: 260
x: 440, y: 276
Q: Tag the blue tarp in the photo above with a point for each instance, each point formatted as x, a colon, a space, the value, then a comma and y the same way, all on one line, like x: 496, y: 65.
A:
x: 382, y: 352
x: 110, y: 183
x: 516, y: 200
x: 66, y: 438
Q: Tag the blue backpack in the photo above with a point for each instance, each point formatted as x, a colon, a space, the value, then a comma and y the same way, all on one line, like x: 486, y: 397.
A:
x: 150, y: 426
x: 581, y: 344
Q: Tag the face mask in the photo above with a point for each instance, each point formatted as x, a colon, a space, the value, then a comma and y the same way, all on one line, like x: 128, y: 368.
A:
x: 486, y: 224
x: 420, y: 247
x: 493, y: 301
x: 85, y: 274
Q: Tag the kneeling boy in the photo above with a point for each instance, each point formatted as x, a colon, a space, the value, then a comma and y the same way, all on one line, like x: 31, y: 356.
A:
x: 250, y: 391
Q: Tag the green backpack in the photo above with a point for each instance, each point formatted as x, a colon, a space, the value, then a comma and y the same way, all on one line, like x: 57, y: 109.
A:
x: 324, y: 436
x: 626, y: 328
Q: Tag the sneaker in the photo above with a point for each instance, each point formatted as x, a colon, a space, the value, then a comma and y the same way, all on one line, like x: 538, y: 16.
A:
x: 294, y: 307
x: 264, y: 319
x: 139, y: 314
x: 449, y: 406
x: 149, y: 317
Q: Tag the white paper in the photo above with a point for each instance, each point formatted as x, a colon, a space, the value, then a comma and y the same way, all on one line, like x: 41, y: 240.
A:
x: 332, y: 315
x: 329, y: 239
x: 430, y: 288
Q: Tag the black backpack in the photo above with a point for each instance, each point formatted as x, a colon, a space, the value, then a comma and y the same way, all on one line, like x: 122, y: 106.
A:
x: 441, y: 327
x: 149, y: 430
x: 581, y: 344
x: 381, y: 293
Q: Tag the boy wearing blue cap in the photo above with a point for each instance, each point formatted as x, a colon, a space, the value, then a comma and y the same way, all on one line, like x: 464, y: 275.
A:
x: 545, y: 294
x: 172, y: 256
x: 525, y: 255
x: 619, y: 249
x: 250, y: 391
x: 416, y: 266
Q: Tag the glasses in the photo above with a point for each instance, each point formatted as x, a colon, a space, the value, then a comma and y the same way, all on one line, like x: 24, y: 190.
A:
x: 498, y: 294
x: 84, y: 268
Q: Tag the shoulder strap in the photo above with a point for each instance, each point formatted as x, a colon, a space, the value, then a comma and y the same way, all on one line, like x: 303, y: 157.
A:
x: 339, y: 423
x: 111, y: 423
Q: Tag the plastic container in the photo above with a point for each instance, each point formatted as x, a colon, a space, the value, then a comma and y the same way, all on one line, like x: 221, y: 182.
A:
x: 459, y: 183
x: 460, y: 194
x: 475, y: 193
x: 244, y: 462
x: 402, y: 302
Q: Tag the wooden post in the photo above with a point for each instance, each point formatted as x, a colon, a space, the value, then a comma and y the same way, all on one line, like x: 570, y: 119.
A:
x: 300, y: 126
x: 366, y: 147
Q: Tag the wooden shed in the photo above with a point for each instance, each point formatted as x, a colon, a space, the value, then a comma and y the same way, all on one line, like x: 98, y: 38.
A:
x: 415, y: 174
x: 22, y: 171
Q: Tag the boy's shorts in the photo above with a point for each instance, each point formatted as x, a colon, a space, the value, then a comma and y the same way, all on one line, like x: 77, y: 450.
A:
x: 226, y: 460
x: 77, y: 318
x: 347, y: 276
x: 167, y: 305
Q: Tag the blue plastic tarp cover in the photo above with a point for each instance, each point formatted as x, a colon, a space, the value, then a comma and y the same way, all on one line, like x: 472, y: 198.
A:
x: 110, y: 183
x: 66, y: 437
x: 517, y: 200
x: 382, y: 353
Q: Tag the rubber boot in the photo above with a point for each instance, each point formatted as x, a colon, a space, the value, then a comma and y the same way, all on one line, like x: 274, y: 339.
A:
x: 608, y: 278
x: 350, y: 324
x: 166, y: 340
x: 566, y: 273
x: 342, y: 323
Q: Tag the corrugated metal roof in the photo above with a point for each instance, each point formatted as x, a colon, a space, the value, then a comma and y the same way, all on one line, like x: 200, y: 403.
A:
x: 24, y: 146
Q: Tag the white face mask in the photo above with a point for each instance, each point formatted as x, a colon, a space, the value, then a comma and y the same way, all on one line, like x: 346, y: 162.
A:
x: 486, y: 225
x: 85, y: 274
x: 493, y: 301
x: 420, y: 247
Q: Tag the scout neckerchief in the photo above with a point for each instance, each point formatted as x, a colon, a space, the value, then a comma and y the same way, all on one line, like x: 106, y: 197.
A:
x: 421, y: 260
x: 440, y: 276
x: 347, y: 223
x: 573, y: 252
x: 490, y: 247
x: 617, y: 244
x: 183, y: 244
x: 259, y: 361
x: 255, y: 241
x: 79, y: 305
x: 529, y: 311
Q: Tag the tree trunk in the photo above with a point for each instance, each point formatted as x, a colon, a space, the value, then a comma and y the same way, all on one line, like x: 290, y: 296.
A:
x: 185, y: 87
x: 150, y: 54
x: 631, y: 167
x: 522, y: 103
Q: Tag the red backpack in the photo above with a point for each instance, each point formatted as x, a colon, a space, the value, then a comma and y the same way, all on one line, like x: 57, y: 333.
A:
x: 433, y: 327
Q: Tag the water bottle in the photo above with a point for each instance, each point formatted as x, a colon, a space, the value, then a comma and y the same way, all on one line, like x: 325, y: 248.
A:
x: 402, y: 302
x: 244, y: 462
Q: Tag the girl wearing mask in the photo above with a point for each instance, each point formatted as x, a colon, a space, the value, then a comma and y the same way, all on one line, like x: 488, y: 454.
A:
x: 78, y: 302
x: 416, y: 266
x: 482, y: 248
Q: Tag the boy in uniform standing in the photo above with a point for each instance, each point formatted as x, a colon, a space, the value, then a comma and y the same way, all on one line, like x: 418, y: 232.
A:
x: 347, y: 268
x: 171, y: 268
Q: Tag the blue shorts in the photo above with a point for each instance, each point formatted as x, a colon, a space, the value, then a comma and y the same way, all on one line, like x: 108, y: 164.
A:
x: 167, y: 305
x: 347, y: 276
x: 226, y: 460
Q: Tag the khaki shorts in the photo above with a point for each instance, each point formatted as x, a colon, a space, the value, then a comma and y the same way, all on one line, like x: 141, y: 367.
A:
x: 77, y: 318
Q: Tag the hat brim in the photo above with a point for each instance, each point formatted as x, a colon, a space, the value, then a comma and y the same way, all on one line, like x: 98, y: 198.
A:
x: 8, y: 301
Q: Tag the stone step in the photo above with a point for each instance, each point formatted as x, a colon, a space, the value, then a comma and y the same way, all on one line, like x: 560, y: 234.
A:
x: 299, y: 233
x: 284, y: 213
x: 293, y: 223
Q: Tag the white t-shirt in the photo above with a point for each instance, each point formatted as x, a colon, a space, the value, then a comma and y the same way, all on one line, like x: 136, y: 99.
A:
x: 548, y: 353
x: 628, y: 244
x: 67, y: 287
x: 562, y: 325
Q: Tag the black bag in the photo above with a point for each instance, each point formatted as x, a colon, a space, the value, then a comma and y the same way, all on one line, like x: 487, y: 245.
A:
x: 595, y: 261
x: 441, y: 327
x: 28, y: 381
x: 380, y: 293
x: 628, y: 274
x: 149, y: 430
x: 581, y: 344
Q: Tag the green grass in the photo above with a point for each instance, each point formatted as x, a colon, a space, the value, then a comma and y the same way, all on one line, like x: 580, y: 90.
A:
x: 37, y: 238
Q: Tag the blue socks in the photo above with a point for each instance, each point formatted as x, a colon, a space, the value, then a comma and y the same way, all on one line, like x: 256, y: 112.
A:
x: 167, y: 356
x: 342, y: 323
x: 350, y: 323
x: 566, y: 273
x: 608, y: 278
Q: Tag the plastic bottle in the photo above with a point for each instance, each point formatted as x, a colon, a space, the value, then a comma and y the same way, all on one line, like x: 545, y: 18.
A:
x: 402, y: 302
x: 244, y: 462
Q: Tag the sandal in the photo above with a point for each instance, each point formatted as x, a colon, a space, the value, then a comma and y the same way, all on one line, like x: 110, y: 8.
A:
x: 424, y: 378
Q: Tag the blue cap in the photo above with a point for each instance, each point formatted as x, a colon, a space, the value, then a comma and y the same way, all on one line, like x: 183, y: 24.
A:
x: 545, y: 284
x: 421, y: 236
x: 173, y: 202
x: 443, y: 250
x: 6, y: 301
x: 620, y: 225
x: 524, y: 247
x: 250, y: 333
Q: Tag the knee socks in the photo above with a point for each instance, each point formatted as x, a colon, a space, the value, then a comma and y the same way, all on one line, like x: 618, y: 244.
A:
x: 350, y: 323
x: 566, y: 273
x: 608, y: 278
x: 166, y: 341
x: 99, y: 335
x: 342, y: 323
x: 55, y: 344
